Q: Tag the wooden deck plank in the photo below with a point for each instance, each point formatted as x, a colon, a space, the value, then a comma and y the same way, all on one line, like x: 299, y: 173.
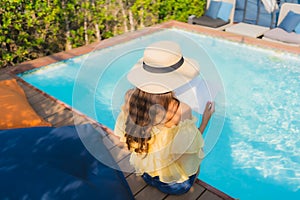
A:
x: 65, y: 122
x: 127, y: 174
x: 125, y: 166
x: 195, y: 192
x: 110, y: 142
x: 49, y: 108
x: 150, y: 193
x: 214, y: 190
x: 118, y: 153
x: 37, y: 99
x: 30, y: 93
x: 80, y: 120
x: 34, y: 98
x: 27, y: 89
x: 59, y: 115
x: 136, y: 183
x: 66, y: 119
x: 5, y: 77
x: 207, y: 195
x: 100, y: 131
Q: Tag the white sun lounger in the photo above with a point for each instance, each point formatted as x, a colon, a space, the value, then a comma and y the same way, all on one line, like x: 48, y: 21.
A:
x: 217, y: 24
x: 279, y: 35
x: 250, y: 30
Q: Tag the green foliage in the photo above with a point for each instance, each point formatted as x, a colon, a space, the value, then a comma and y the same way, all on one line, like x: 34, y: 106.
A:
x: 180, y: 9
x: 33, y: 28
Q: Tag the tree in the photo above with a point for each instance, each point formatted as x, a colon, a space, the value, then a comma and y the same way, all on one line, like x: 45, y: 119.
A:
x: 33, y: 28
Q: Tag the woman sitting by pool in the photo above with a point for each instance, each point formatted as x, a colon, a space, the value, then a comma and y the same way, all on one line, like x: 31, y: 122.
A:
x: 158, y: 129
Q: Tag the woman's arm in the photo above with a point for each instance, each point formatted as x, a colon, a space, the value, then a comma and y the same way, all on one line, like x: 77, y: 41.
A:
x: 209, y: 110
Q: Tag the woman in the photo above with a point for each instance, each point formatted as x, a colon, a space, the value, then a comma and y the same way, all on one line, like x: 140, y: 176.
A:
x: 158, y: 129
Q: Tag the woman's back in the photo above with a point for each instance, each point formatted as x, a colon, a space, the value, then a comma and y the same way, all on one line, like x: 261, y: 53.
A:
x: 159, y: 130
x: 175, y: 147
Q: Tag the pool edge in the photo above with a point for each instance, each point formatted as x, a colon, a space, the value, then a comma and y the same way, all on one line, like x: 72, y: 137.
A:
x: 39, y: 62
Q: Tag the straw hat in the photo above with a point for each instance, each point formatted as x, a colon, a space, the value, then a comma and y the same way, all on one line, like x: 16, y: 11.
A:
x: 162, y: 69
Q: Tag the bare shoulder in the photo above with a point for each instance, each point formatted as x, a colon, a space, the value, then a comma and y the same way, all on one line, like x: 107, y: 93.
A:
x: 182, y: 112
x: 185, y: 111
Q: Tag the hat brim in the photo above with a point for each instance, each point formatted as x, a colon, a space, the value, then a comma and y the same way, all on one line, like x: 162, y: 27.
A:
x: 162, y: 82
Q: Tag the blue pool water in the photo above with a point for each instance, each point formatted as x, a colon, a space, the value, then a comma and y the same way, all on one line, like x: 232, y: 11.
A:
x: 256, y: 155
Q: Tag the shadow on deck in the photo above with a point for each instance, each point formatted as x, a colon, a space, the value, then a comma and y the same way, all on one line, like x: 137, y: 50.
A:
x: 60, y: 114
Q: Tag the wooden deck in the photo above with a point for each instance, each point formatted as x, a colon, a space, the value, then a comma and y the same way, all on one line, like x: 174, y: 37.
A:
x: 60, y: 114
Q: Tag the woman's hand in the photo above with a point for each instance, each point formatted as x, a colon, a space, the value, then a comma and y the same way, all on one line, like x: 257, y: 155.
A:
x: 209, y: 110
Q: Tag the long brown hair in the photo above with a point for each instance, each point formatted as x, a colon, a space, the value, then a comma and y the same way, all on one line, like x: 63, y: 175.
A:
x: 145, y: 111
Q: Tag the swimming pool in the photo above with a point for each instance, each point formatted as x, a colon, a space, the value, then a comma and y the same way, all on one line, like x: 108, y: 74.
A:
x: 256, y: 155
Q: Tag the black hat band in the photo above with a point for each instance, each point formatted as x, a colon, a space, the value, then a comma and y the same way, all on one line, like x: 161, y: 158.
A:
x: 168, y: 69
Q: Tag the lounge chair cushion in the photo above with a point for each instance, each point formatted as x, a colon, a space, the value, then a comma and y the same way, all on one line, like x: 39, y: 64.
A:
x: 15, y: 110
x: 283, y: 36
x: 213, y: 9
x: 53, y: 163
x: 208, y: 21
x: 290, y: 21
x: 297, y: 28
x: 224, y: 11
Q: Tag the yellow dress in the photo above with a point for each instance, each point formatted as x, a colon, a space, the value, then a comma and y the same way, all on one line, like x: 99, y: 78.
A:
x: 175, y: 153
